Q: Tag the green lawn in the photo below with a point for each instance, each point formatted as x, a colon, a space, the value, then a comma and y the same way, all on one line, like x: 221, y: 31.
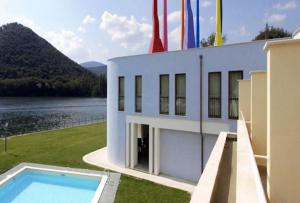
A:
x: 67, y: 147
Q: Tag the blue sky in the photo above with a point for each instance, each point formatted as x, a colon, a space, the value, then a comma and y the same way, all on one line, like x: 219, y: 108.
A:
x: 101, y: 29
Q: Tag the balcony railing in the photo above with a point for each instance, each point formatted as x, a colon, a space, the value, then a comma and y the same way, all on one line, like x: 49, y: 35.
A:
x: 180, y: 108
x: 164, y: 105
x: 121, y: 103
x: 138, y: 104
x: 233, y: 108
x: 214, y: 106
x: 231, y: 173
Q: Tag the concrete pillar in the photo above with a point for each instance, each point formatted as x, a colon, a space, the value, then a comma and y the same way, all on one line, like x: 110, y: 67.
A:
x: 259, y: 113
x: 245, y: 99
x: 151, y: 150
x: 128, y: 127
x: 283, y: 128
x: 156, y: 151
x: 133, y: 146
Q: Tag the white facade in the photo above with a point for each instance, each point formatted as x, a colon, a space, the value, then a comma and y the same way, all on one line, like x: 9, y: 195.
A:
x: 296, y: 34
x: 174, y: 141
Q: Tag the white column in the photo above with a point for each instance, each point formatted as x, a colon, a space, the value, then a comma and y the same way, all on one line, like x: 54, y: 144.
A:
x: 151, y: 149
x: 128, y: 127
x: 139, y: 130
x: 156, y: 151
x: 133, y: 145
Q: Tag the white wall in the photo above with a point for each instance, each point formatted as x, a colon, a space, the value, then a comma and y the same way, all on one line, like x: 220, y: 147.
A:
x: 296, y: 35
x: 181, y: 153
x: 247, y: 57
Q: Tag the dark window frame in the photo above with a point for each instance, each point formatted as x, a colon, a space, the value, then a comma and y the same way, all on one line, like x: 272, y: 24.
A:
x: 121, y: 97
x: 230, y: 98
x: 138, y: 98
x: 218, y: 114
x: 161, y: 98
x: 182, y: 98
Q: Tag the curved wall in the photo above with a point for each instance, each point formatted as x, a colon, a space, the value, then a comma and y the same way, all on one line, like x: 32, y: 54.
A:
x: 245, y: 56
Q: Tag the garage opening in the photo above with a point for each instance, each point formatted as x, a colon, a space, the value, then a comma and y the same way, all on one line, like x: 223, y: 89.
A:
x: 143, y: 149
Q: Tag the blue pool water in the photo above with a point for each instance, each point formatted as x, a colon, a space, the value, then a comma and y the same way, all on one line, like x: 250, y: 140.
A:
x: 41, y: 187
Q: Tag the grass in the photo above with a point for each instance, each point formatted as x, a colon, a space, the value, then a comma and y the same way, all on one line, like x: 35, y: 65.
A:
x: 67, y: 147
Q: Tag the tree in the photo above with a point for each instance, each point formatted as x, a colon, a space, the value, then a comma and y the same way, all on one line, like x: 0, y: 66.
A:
x: 271, y: 32
x: 210, y: 41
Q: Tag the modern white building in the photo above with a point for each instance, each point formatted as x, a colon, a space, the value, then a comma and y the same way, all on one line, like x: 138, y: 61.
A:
x: 166, y: 110
x: 296, y: 34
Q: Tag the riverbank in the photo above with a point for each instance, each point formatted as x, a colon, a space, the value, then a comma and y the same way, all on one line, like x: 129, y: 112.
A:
x: 66, y: 148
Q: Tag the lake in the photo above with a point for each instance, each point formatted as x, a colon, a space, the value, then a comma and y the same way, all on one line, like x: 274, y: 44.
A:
x: 24, y: 115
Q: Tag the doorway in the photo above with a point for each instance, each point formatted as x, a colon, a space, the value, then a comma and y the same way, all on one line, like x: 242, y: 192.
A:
x: 143, y: 149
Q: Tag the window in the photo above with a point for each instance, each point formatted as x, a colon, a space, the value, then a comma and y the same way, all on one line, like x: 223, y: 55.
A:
x: 121, y: 94
x: 180, y: 94
x: 233, y: 102
x: 164, y: 94
x: 138, y: 93
x: 214, y: 95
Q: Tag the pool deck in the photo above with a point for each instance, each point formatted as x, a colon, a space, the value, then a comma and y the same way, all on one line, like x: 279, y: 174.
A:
x: 98, y: 158
x: 108, y: 194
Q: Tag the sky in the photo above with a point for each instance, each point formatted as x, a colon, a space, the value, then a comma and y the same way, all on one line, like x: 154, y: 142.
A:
x: 97, y: 30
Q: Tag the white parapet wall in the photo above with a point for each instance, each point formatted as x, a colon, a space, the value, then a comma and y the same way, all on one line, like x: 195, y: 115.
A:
x: 205, y: 189
x: 249, y: 187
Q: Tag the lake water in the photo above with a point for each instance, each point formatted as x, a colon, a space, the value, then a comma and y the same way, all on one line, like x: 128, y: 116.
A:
x: 23, y: 115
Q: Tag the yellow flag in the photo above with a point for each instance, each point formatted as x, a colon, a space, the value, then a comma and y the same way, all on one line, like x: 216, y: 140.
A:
x: 218, y: 37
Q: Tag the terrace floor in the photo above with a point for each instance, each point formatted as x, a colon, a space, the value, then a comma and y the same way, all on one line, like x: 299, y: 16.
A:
x: 98, y: 158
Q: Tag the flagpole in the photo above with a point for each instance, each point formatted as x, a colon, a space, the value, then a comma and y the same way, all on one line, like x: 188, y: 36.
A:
x: 182, y: 24
x: 198, y: 24
x: 165, y: 22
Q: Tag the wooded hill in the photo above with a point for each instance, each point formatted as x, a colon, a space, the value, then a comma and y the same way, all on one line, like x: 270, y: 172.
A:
x: 30, y: 66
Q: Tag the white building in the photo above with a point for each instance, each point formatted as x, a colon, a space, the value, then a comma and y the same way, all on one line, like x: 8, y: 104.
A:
x: 296, y: 34
x: 155, y: 120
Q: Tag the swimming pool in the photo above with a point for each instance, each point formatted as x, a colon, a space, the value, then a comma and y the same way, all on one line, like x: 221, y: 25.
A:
x: 35, y: 185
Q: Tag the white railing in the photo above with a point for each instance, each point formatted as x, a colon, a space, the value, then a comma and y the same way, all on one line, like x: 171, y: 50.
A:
x: 249, y: 187
x: 248, y: 183
x: 204, y: 191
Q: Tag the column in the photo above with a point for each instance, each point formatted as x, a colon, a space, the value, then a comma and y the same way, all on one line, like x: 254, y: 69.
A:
x: 151, y: 138
x: 128, y: 127
x: 156, y: 151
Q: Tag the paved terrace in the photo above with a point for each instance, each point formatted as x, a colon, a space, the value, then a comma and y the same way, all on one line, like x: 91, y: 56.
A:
x: 98, y: 158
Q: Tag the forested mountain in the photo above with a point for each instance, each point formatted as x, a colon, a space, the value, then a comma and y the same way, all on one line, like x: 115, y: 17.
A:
x: 95, y: 67
x: 30, y: 66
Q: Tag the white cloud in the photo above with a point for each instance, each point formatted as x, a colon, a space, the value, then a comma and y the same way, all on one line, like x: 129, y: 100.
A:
x: 286, y: 6
x: 276, y: 18
x: 212, y: 19
x: 68, y: 43
x: 144, y: 19
x: 242, y: 31
x: 206, y: 3
x: 174, y: 17
x: 88, y: 20
x: 28, y: 22
x: 81, y: 29
x: 128, y: 32
x: 174, y: 37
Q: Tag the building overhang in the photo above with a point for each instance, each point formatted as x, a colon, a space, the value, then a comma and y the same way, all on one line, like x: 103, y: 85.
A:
x: 280, y: 42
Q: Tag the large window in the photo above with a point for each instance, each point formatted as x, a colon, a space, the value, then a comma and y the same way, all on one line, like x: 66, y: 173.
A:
x: 214, y: 95
x: 164, y: 94
x: 121, y: 94
x: 138, y: 93
x: 233, y: 101
x: 180, y: 94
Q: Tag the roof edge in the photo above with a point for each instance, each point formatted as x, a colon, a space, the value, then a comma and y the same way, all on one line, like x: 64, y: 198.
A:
x: 282, y: 41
